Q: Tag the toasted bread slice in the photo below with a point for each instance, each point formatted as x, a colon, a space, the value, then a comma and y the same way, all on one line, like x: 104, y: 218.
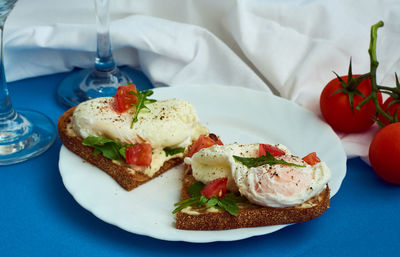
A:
x: 121, y: 172
x: 249, y: 215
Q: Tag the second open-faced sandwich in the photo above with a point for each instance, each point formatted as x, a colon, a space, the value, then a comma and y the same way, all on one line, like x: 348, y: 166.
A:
x: 250, y: 185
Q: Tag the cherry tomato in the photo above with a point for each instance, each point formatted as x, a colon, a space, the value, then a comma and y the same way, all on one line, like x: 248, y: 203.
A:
x: 217, y: 188
x: 311, y: 158
x: 336, y: 109
x: 203, y: 142
x: 395, y: 107
x: 275, y: 151
x: 124, y: 99
x: 139, y: 154
x: 384, y: 153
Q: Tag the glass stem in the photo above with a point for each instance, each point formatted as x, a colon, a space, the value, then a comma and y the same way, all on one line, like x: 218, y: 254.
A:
x: 6, y: 109
x: 104, y: 60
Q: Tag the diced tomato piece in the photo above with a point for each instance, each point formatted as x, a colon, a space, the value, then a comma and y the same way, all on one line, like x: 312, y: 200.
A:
x: 124, y: 99
x: 311, y: 158
x: 139, y: 154
x: 203, y: 142
x: 217, y: 188
x: 273, y: 150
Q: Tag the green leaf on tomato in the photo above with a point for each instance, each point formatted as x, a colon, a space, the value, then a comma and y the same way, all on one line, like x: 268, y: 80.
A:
x: 141, y: 104
x: 262, y: 160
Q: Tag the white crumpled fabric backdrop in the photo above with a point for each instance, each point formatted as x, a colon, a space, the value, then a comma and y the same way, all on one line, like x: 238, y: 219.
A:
x: 288, y: 47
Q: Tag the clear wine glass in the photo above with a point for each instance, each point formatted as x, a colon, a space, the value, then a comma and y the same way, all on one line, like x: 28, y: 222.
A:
x: 23, y: 133
x: 105, y: 78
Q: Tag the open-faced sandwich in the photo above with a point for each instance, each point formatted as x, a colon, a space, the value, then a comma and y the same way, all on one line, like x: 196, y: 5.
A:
x: 236, y: 185
x: 129, y: 136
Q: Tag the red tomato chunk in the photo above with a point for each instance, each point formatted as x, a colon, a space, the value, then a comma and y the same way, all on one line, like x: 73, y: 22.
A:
x: 203, y: 142
x: 124, y: 99
x: 311, y: 158
x: 216, y: 188
x: 273, y: 150
x: 139, y: 154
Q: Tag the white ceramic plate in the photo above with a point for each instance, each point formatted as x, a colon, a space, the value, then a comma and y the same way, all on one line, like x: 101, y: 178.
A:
x: 237, y: 115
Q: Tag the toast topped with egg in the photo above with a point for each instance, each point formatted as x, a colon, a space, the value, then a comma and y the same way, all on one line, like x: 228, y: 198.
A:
x: 236, y: 186
x: 129, y: 136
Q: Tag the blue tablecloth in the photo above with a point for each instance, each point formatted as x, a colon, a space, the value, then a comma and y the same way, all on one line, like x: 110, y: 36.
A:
x: 39, y: 217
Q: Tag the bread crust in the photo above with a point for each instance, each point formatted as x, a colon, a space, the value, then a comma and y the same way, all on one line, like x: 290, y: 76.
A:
x: 120, y: 172
x: 250, y: 215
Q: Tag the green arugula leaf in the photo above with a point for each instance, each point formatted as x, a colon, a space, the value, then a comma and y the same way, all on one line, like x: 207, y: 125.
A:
x: 122, y: 150
x: 212, y: 201
x: 227, y: 203
x: 172, y: 151
x: 262, y: 160
x: 142, y: 101
x: 186, y: 203
x: 195, y: 188
x: 203, y: 200
x: 109, y: 148
x: 96, y: 152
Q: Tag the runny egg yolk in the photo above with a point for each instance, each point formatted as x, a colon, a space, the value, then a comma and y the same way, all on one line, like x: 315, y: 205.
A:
x: 282, y: 179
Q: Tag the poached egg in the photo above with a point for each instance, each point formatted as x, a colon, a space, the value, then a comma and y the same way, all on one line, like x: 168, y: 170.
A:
x: 168, y: 123
x: 275, y: 185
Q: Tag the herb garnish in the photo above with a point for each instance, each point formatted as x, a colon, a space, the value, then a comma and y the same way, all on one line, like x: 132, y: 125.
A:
x: 172, y: 151
x: 262, y: 160
x: 108, y: 147
x: 227, y: 203
x: 142, y: 101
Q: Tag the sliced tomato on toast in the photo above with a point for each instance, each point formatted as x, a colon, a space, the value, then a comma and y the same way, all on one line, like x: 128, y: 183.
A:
x: 124, y: 99
x: 203, y: 142
x: 217, y: 188
x: 139, y: 154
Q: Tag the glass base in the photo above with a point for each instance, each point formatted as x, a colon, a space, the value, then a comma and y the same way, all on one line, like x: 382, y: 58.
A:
x: 88, y: 83
x: 28, y: 134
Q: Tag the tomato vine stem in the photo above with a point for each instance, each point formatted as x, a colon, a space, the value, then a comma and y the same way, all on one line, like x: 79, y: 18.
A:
x: 372, y: 74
